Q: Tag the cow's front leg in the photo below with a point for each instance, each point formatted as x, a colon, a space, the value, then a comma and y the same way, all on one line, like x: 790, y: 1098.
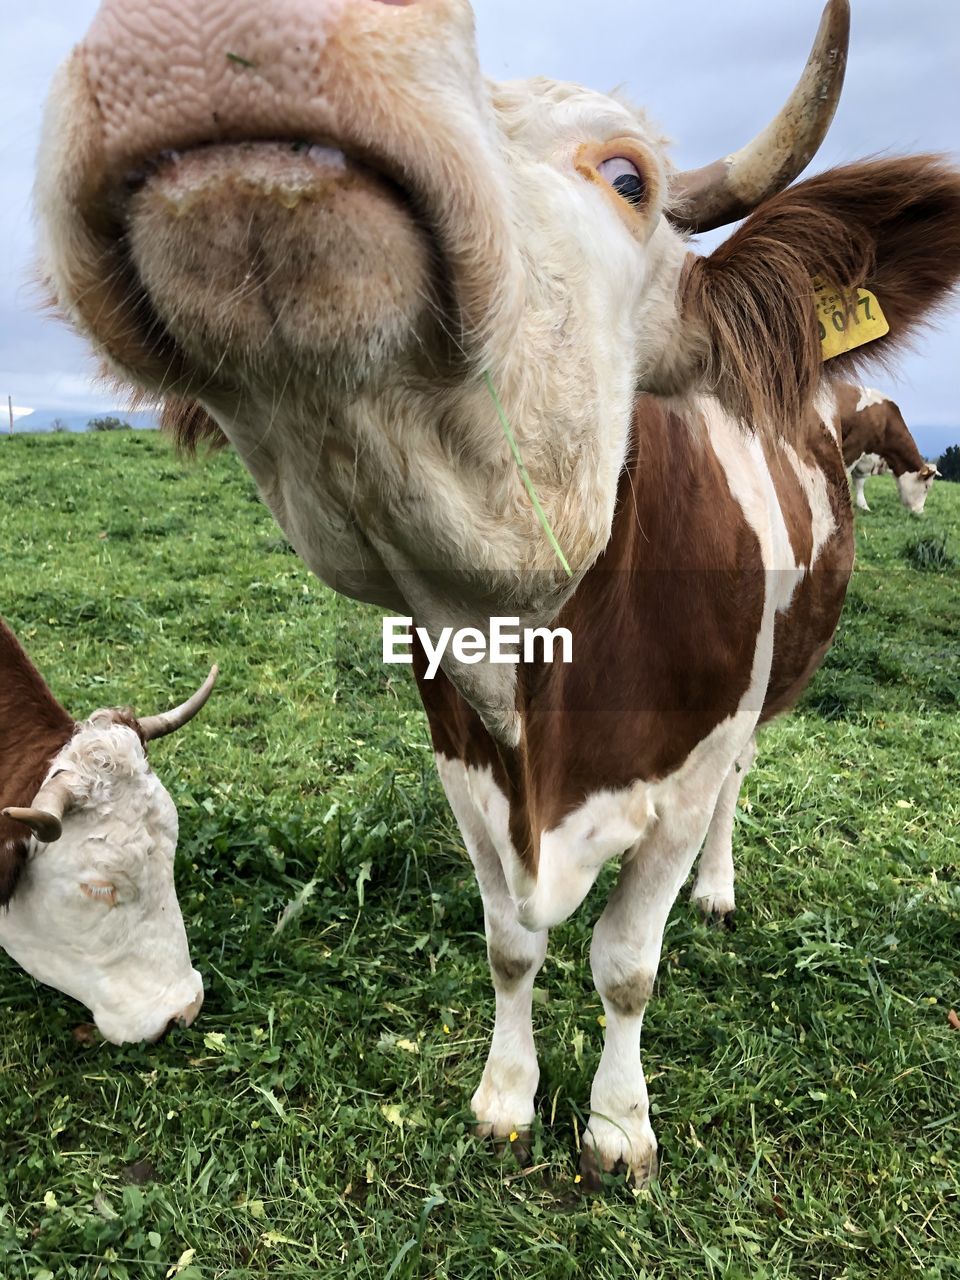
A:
x: 713, y: 890
x: 504, y: 1102
x: 624, y: 956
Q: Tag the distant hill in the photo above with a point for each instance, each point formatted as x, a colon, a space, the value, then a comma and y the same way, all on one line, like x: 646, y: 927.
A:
x: 42, y: 420
x: 931, y: 441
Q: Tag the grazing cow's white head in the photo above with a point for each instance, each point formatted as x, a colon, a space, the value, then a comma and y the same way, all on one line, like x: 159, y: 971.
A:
x: 316, y: 225
x: 915, y: 486
x: 94, y: 912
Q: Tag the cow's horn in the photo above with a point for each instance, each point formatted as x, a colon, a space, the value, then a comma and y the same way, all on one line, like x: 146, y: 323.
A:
x: 730, y: 188
x: 170, y: 721
x: 45, y: 815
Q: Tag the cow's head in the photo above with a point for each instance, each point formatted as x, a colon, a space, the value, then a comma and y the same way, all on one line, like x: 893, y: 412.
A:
x: 915, y: 486
x: 314, y: 225
x: 95, y: 911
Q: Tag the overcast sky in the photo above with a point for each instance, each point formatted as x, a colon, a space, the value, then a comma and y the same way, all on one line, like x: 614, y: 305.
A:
x: 710, y: 73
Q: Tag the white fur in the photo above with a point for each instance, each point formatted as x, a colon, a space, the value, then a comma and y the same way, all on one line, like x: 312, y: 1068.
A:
x: 504, y: 1100
x: 913, y: 488
x: 127, y: 960
x: 868, y: 397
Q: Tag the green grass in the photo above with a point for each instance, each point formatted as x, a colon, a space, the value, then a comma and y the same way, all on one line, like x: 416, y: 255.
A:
x: 804, y: 1076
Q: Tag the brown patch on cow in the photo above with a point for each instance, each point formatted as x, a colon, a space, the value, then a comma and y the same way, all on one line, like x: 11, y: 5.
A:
x: 664, y: 629
x: 455, y: 728
x: 877, y: 428
x: 892, y: 226
x: 630, y: 997
x: 507, y: 969
x: 34, y: 727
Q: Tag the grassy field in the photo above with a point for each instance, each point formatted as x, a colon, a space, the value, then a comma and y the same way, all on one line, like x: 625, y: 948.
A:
x: 314, y: 1122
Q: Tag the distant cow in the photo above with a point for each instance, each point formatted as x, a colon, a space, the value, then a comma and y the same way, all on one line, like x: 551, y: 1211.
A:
x: 386, y: 279
x: 871, y: 423
x: 87, y: 840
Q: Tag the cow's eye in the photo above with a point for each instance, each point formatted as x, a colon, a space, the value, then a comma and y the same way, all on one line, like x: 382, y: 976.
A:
x: 99, y: 891
x: 625, y: 178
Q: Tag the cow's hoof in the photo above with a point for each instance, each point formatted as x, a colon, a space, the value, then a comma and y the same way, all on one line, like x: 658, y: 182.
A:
x: 518, y: 1142
x: 505, y: 1114
x: 718, y: 907
x: 608, y: 1150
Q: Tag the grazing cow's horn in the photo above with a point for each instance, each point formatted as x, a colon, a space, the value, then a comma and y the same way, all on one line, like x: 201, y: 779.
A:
x: 730, y: 188
x: 45, y: 815
x: 170, y: 721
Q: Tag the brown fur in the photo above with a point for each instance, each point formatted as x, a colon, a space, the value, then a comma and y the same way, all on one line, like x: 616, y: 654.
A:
x: 664, y: 630
x: 190, y: 425
x: 892, y: 226
x: 878, y: 428
x: 34, y: 727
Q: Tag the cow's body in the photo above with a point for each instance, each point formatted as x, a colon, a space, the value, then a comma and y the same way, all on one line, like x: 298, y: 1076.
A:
x: 871, y: 424
x: 87, y: 839
x: 459, y: 262
x: 688, y: 633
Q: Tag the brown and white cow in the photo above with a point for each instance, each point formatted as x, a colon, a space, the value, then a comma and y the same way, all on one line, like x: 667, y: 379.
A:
x: 870, y: 423
x: 319, y: 230
x: 87, y: 840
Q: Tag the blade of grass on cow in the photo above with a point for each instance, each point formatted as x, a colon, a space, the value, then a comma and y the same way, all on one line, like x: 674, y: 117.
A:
x: 525, y: 476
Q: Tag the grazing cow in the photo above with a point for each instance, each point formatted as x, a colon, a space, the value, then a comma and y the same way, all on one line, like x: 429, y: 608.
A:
x: 87, y: 838
x: 316, y: 228
x: 870, y: 423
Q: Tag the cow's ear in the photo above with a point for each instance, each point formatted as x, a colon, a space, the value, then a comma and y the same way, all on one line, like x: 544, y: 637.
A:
x: 747, y: 315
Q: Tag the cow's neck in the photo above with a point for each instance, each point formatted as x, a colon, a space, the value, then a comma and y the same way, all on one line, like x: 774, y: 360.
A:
x: 30, y: 716
x: 898, y: 448
x: 33, y: 728
x: 401, y: 512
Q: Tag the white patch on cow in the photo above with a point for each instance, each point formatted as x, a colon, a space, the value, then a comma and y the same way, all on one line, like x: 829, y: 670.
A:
x: 868, y: 397
x: 914, y: 487
x: 826, y: 405
x: 605, y: 826
x: 504, y: 1101
x: 869, y: 464
x: 123, y: 954
x: 813, y: 481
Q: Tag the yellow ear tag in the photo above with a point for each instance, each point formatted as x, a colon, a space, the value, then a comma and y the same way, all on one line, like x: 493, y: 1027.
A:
x: 847, y: 321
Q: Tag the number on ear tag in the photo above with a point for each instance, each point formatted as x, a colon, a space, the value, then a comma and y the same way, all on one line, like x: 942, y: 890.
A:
x: 847, y: 321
